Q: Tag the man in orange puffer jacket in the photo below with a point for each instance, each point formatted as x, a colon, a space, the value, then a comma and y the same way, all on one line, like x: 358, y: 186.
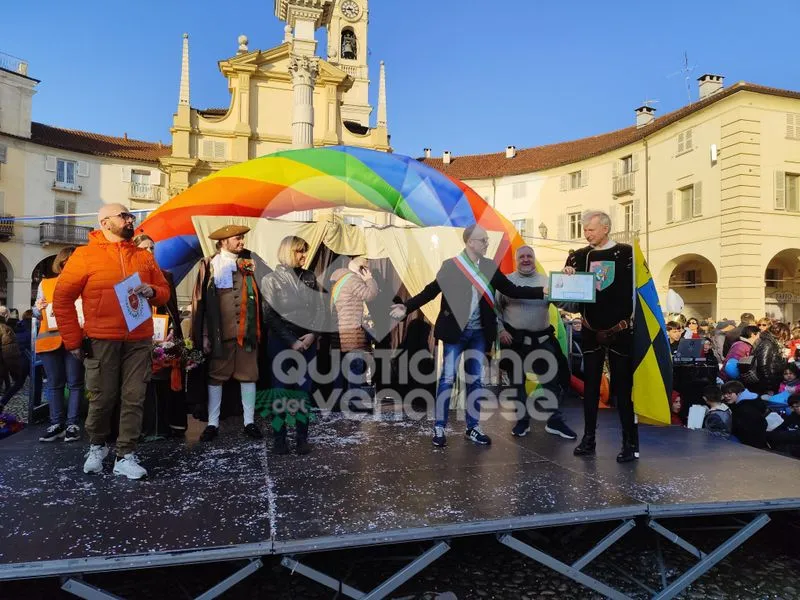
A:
x: 117, y: 361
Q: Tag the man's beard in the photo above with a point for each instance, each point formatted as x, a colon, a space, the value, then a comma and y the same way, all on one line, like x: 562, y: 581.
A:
x: 125, y: 232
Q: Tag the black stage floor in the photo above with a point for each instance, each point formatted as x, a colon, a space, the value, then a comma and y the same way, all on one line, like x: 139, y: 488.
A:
x: 370, y: 480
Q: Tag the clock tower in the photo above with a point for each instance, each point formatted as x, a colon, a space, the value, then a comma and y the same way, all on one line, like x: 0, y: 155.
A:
x: 347, y: 49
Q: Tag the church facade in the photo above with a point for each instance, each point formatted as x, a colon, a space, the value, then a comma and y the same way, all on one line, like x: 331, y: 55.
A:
x: 262, y: 83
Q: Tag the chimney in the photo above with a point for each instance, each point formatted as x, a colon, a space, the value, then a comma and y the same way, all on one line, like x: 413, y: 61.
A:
x: 427, y: 152
x: 446, y: 157
x: 511, y: 151
x: 645, y: 115
x: 125, y: 135
x: 709, y: 84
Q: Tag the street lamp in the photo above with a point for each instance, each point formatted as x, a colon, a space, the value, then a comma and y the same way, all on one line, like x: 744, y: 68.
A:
x: 543, y: 230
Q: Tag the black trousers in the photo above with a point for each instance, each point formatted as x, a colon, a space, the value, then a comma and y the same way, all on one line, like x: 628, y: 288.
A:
x: 555, y: 381
x: 621, y: 364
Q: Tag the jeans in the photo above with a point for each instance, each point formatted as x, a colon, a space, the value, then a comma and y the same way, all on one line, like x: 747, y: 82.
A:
x: 473, y: 343
x: 62, y: 368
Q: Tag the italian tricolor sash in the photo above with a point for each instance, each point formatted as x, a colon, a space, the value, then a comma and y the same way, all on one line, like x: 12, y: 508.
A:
x: 476, y: 278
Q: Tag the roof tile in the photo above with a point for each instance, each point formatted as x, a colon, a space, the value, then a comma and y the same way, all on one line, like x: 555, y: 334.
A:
x: 96, y: 144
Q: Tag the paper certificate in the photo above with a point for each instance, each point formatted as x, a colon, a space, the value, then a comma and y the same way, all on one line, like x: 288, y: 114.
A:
x: 160, y: 323
x: 51, y: 317
x: 135, y: 307
x: 579, y: 287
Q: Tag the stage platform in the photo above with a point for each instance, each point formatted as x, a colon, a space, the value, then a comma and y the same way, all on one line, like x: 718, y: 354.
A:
x: 371, y: 480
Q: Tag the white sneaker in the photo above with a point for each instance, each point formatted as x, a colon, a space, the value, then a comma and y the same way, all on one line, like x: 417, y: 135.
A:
x: 129, y: 466
x: 94, y: 459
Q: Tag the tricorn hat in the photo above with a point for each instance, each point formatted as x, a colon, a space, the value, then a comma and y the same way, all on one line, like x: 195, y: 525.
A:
x: 229, y: 231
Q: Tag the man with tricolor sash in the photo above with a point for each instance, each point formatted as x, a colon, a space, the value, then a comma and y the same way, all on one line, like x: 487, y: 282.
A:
x: 466, y: 325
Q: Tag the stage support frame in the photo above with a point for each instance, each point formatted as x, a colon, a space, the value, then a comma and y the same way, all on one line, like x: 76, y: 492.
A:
x: 77, y: 587
x: 381, y: 591
x: 575, y: 570
x: 707, y: 561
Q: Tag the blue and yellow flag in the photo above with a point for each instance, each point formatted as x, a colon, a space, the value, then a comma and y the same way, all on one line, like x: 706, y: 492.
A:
x: 652, y: 360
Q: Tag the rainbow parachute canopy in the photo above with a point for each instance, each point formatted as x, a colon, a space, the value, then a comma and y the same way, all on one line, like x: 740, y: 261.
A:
x: 319, y: 178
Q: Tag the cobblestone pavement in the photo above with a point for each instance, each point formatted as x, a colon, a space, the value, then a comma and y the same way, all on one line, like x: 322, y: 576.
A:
x: 765, y: 568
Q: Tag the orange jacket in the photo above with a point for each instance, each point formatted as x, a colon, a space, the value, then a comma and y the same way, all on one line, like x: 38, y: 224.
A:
x: 92, y: 272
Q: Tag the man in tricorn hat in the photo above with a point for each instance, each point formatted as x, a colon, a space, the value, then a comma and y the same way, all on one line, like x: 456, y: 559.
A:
x: 227, y: 324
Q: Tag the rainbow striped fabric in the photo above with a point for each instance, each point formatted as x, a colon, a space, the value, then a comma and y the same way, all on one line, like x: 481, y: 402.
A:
x: 318, y: 178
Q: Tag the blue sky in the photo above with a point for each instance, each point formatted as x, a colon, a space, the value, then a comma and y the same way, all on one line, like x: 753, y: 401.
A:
x: 464, y: 76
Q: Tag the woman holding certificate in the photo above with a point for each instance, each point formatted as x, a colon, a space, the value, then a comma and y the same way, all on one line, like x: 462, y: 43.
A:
x: 606, y: 330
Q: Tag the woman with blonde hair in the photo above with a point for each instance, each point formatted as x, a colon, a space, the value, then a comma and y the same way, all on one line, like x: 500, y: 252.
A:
x: 293, y: 311
x: 61, y: 367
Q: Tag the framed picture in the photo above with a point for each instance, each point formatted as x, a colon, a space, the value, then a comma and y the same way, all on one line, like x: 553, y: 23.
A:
x: 579, y: 287
x: 160, y: 327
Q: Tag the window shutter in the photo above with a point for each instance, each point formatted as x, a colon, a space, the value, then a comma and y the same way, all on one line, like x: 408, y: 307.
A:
x: 688, y: 140
x: 636, y: 216
x: 791, y: 125
x: 50, y: 163
x: 612, y: 214
x: 670, y: 207
x: 697, y: 209
x: 83, y: 168
x: 584, y: 177
x: 563, y: 184
x: 615, y: 168
x: 208, y: 149
x: 155, y: 177
x: 219, y: 150
x: 681, y: 144
x: 126, y: 174
x: 562, y: 227
x: 635, y: 161
x: 780, y: 190
x: 3, y: 153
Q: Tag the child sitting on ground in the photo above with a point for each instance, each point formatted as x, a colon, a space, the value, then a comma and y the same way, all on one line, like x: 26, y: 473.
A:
x: 718, y: 420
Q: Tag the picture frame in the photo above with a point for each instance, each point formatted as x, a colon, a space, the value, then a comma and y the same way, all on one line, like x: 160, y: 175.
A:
x: 579, y: 287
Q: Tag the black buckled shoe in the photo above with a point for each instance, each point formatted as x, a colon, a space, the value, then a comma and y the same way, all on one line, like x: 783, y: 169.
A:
x: 209, y: 433
x: 251, y: 430
x: 279, y: 445
x: 302, y: 446
x: 587, y: 446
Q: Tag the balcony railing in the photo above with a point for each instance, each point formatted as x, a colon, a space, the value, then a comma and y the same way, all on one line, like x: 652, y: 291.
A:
x: 63, y: 233
x: 6, y: 227
x: 624, y: 184
x: 624, y: 237
x: 146, y: 192
x: 12, y: 63
x: 67, y: 187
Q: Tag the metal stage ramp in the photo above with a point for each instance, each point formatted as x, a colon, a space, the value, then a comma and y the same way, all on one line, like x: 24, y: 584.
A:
x: 372, y: 480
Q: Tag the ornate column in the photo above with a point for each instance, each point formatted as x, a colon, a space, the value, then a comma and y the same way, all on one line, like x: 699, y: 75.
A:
x: 304, y: 70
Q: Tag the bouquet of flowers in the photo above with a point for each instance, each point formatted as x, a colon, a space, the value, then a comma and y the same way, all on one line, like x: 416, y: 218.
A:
x: 179, y: 356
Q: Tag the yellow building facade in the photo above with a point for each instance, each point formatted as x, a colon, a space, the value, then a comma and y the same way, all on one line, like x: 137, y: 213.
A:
x: 712, y: 191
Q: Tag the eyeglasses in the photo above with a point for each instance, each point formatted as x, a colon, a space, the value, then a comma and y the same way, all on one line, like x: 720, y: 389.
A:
x: 481, y: 240
x: 763, y: 325
x: 125, y: 216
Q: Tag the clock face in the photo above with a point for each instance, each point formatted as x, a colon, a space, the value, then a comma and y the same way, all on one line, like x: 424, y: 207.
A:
x: 350, y: 9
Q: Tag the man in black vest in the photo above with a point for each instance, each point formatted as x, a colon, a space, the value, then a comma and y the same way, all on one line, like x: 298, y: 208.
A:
x: 606, y: 329
x: 467, y: 324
